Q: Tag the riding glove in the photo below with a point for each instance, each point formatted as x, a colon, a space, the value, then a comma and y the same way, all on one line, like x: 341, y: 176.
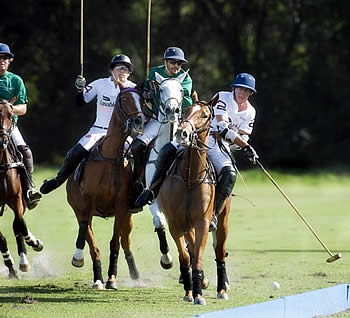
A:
x: 249, y: 152
x: 80, y: 83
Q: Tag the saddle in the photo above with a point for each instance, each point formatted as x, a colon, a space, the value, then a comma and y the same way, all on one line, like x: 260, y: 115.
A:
x: 174, y: 169
x: 94, y: 154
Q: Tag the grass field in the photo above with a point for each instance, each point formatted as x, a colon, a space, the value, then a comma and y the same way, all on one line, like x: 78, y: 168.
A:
x: 266, y: 243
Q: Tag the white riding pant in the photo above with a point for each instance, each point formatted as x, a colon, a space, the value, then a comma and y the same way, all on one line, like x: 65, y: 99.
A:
x: 95, y: 134
x: 17, y: 137
x: 218, y: 158
x: 150, y: 131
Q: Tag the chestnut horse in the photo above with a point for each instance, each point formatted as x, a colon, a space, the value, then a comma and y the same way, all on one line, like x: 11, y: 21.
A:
x: 104, y: 188
x: 186, y: 198
x: 11, y: 194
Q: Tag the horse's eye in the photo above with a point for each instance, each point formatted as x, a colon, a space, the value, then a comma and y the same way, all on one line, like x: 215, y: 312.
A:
x: 205, y: 116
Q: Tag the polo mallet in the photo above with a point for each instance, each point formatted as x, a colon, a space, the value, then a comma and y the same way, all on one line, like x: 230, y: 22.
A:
x: 81, y: 37
x: 148, y: 37
x: 333, y: 257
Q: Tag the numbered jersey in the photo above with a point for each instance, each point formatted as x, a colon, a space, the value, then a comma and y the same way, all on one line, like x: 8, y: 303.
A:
x: 237, y: 120
x: 106, y: 94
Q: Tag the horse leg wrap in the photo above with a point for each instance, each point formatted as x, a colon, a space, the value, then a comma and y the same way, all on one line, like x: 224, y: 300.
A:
x: 163, y: 244
x: 19, y: 226
x: 31, y: 240
x: 197, y: 278
x: 113, y: 261
x: 21, y: 248
x: 8, y: 260
x: 3, y: 244
x: 97, y: 268
x: 187, y: 278
x: 80, y: 243
x: 221, y: 276
x: 134, y: 273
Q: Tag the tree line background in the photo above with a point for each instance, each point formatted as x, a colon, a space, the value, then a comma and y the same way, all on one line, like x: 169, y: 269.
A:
x: 298, y: 50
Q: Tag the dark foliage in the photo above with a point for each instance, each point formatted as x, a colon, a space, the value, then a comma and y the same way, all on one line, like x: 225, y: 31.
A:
x: 299, y: 51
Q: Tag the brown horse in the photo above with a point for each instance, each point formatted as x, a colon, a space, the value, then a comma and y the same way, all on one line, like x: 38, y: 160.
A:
x: 11, y: 193
x: 104, y: 189
x: 187, y: 199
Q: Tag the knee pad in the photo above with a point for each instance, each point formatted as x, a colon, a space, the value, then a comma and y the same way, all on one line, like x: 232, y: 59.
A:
x: 27, y: 157
x: 227, y: 180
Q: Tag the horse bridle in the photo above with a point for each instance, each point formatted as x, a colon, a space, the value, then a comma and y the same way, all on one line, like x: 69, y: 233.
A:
x: 195, y: 142
x: 122, y: 113
x: 6, y: 133
x: 163, y: 110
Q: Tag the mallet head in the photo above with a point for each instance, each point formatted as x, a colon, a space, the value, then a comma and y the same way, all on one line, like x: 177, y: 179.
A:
x: 334, y: 258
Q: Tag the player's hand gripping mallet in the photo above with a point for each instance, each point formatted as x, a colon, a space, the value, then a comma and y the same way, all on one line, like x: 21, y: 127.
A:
x: 333, y: 257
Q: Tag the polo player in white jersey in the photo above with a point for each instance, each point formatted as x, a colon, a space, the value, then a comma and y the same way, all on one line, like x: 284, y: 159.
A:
x: 232, y: 124
x: 231, y: 127
x: 106, y: 91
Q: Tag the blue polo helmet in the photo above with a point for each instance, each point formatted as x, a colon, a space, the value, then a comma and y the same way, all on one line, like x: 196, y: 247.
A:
x: 174, y: 53
x: 245, y: 80
x: 4, y: 49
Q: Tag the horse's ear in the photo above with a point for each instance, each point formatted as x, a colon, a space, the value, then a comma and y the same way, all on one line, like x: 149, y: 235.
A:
x: 195, y: 97
x: 214, y: 100
x: 182, y: 76
x: 159, y: 78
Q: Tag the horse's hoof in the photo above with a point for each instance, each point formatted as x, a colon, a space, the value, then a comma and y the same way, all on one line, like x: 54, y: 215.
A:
x: 112, y: 283
x: 24, y: 267
x: 199, y: 301
x: 166, y: 261
x: 39, y: 247
x: 205, y: 283
x: 222, y: 295
x: 13, y: 274
x: 188, y: 298
x: 98, y: 285
x: 77, y: 262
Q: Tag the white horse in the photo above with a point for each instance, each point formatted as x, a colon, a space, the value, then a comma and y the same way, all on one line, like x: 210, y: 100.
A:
x: 169, y: 112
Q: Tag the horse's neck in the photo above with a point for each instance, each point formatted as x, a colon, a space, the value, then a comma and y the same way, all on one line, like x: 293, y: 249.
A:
x: 5, y: 157
x: 114, y: 139
x: 166, y: 132
x: 194, y: 164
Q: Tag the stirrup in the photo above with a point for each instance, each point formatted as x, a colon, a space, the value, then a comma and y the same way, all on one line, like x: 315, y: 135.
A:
x: 32, y: 198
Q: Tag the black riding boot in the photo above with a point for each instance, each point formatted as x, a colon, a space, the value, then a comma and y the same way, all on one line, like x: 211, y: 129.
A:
x: 222, y: 191
x: 164, y: 160
x: 71, y: 161
x: 30, y: 194
x: 138, y: 148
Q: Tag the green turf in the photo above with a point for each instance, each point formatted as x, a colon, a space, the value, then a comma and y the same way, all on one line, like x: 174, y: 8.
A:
x: 266, y: 243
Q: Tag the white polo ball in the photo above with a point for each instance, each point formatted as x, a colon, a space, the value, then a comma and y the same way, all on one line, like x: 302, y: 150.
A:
x: 275, y: 285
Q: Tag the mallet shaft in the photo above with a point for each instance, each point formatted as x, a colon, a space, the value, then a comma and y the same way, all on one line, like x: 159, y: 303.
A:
x: 295, y: 209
